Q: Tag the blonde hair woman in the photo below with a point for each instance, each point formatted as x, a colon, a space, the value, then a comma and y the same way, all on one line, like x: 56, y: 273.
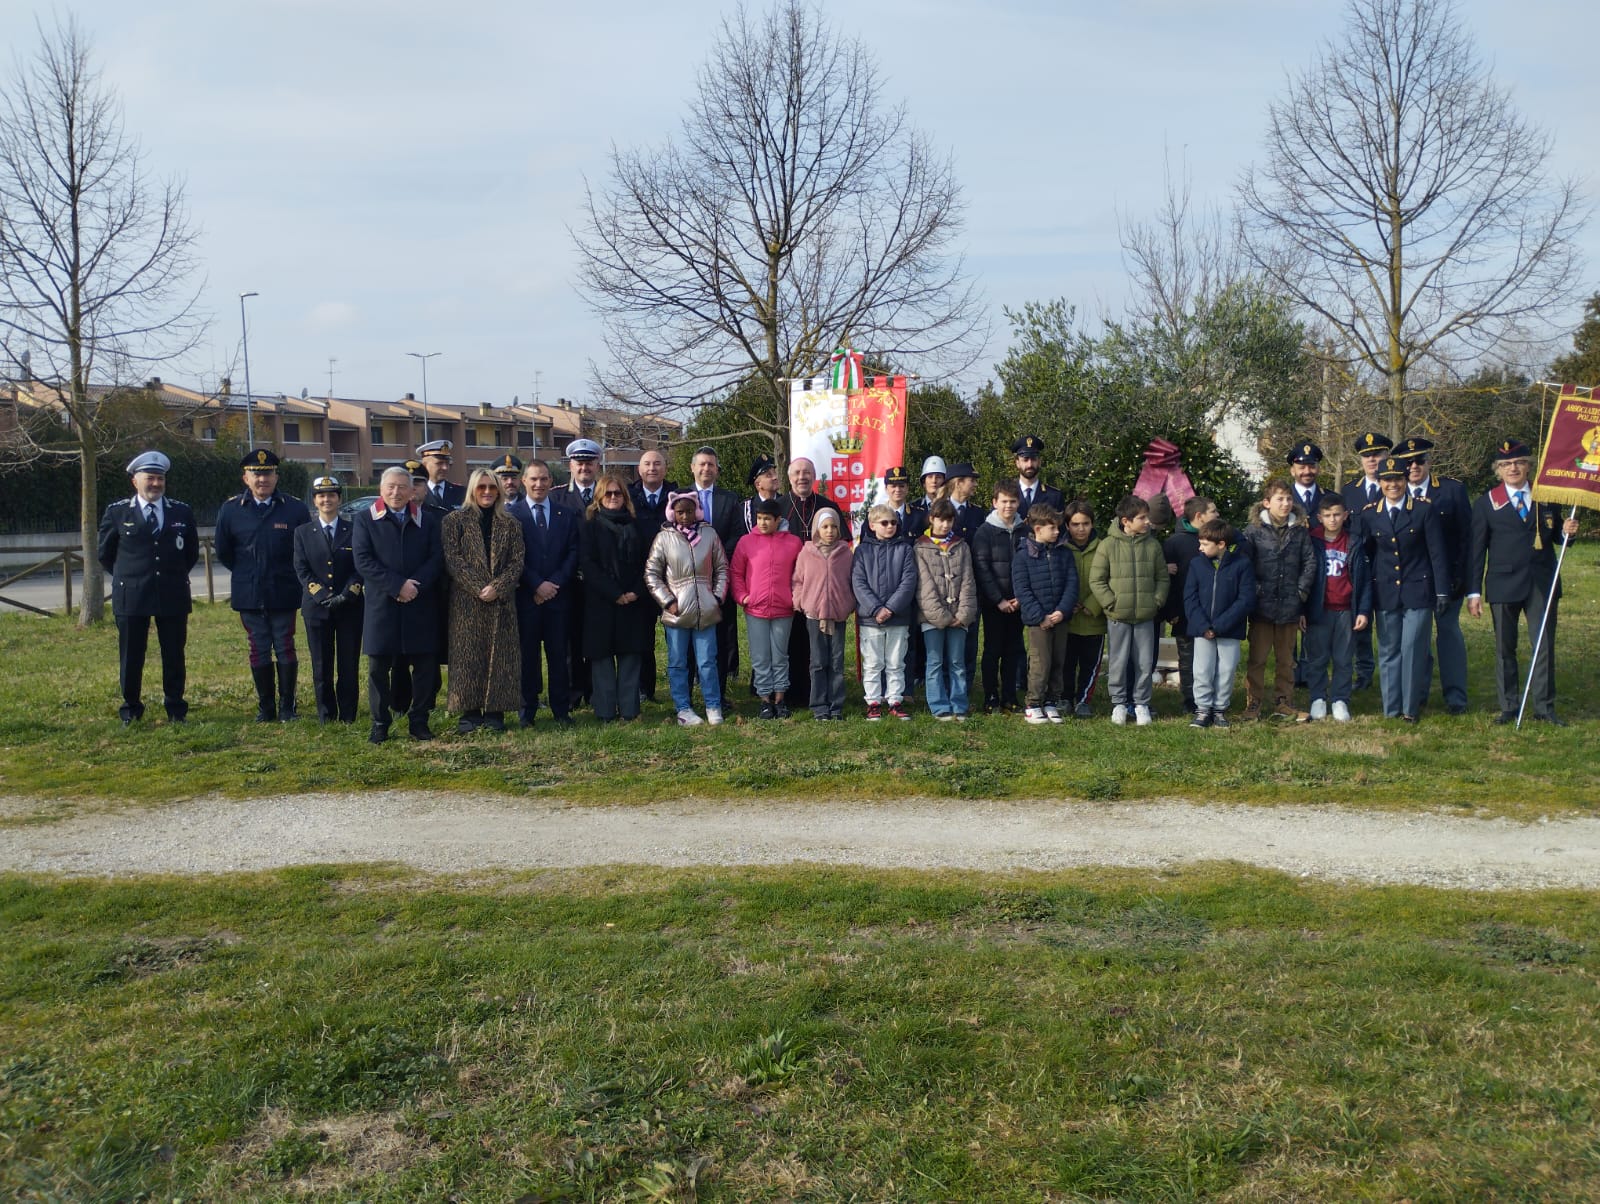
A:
x: 483, y: 552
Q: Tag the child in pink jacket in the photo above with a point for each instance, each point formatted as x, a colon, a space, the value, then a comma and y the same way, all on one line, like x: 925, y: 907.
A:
x: 824, y: 595
x: 761, y: 574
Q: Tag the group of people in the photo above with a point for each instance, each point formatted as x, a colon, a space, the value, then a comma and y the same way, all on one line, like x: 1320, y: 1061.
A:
x: 543, y: 597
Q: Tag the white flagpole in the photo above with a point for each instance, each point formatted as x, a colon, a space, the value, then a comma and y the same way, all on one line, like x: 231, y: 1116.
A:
x: 1549, y: 601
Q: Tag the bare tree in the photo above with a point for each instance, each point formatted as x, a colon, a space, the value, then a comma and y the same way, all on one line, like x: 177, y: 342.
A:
x: 793, y: 211
x: 95, y: 258
x: 1404, y: 200
x: 1214, y: 340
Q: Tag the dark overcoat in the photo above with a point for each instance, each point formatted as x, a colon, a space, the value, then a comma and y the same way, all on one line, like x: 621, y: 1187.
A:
x: 612, y: 553
x: 485, y: 655
x: 387, y: 555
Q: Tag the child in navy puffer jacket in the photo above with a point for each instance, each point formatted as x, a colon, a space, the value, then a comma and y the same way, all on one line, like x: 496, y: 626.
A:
x: 1219, y: 594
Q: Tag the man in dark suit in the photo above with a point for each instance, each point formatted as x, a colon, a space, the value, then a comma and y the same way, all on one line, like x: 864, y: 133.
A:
x: 443, y: 495
x: 148, y: 543
x: 650, y: 493
x: 1410, y: 583
x: 330, y: 605
x: 1031, y: 491
x: 1454, y: 508
x: 255, y: 542
x: 1512, y: 564
x: 1371, y: 447
x: 397, y: 551
x: 721, y: 508
x: 544, y: 595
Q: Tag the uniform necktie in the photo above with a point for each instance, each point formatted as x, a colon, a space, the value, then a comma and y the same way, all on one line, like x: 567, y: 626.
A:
x: 651, y: 499
x: 1416, y: 491
x: 1522, y: 505
x: 1305, y: 498
x: 150, y: 518
x: 1372, y: 493
x: 538, y: 516
x: 327, y: 529
x: 1394, y: 516
x: 588, y: 496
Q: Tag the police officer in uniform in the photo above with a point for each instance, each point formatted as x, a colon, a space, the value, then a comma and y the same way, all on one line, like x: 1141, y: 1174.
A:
x: 400, y: 672
x: 1371, y: 447
x: 1031, y: 491
x: 1454, y: 507
x: 1512, y: 566
x: 255, y: 542
x: 897, y: 494
x: 330, y: 605
x: 508, y: 471
x: 1410, y: 583
x: 148, y: 544
x: 583, y: 465
x: 1305, y: 466
x: 442, y: 494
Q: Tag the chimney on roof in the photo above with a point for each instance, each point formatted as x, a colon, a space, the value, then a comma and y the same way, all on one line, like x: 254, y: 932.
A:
x: 411, y: 396
x: 153, y: 383
x: 485, y: 408
x: 226, y: 388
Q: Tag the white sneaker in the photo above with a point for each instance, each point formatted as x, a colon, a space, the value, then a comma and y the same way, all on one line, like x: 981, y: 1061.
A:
x: 1341, y: 712
x: 687, y: 718
x: 1141, y: 716
x: 1034, y: 715
x: 1319, y: 710
x: 714, y: 716
x: 1119, y: 715
x: 1053, y: 714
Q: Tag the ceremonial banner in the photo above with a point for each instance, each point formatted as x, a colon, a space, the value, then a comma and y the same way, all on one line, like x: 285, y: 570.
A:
x: 852, y: 434
x: 1569, y: 465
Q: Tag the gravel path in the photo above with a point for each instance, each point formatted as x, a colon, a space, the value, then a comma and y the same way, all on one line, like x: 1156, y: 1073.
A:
x: 447, y: 833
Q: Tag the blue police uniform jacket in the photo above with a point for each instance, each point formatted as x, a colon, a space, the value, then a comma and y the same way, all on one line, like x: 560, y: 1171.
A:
x: 256, y: 544
x: 325, y: 570
x: 149, y: 571
x: 1410, y: 567
x: 1454, y: 507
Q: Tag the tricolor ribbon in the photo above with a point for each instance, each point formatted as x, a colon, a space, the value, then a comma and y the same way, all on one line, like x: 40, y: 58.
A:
x: 844, y: 369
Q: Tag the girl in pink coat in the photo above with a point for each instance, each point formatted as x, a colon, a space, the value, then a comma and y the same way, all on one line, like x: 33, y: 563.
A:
x: 761, y: 574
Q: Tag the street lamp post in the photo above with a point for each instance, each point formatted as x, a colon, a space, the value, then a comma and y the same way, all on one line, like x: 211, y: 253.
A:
x: 417, y: 355
x: 249, y: 407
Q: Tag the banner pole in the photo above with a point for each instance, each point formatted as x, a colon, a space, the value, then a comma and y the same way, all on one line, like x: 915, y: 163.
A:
x: 1549, y: 601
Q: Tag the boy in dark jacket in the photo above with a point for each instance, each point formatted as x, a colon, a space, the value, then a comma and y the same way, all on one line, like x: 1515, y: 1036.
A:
x: 1279, y: 542
x: 1339, y: 607
x: 1045, y: 574
x: 1219, y: 592
x: 994, y: 546
x: 1182, y: 546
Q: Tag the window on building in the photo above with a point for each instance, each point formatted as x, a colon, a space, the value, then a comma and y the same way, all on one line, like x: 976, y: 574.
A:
x: 209, y: 434
x: 502, y: 437
x: 291, y: 432
x: 377, y: 433
x: 524, y: 438
x: 472, y: 436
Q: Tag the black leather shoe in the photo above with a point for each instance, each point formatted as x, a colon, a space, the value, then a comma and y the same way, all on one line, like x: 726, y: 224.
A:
x: 1505, y: 717
x: 379, y: 733
x: 421, y: 731
x: 495, y: 722
x: 1552, y: 720
x: 1458, y: 709
x: 466, y: 727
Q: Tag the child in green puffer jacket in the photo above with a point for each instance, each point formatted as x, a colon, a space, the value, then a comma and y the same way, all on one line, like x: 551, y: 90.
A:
x: 1129, y: 579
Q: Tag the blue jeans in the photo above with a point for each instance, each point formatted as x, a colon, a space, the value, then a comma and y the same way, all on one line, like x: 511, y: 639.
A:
x: 1402, y: 643
x: 946, y: 686
x: 704, y: 643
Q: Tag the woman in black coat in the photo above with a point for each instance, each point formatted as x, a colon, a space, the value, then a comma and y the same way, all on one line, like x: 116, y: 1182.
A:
x: 620, y: 617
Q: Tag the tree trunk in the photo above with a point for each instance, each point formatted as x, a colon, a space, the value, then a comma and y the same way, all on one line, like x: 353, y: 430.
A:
x: 92, y: 605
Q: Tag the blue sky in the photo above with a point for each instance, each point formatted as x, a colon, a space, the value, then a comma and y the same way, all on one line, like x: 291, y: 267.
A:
x: 395, y: 176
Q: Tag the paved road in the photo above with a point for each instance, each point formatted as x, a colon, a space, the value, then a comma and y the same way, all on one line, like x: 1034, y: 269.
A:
x: 44, y: 589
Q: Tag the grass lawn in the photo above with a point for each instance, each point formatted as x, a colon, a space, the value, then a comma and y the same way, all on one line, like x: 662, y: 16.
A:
x: 773, y: 1035
x: 60, y: 740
